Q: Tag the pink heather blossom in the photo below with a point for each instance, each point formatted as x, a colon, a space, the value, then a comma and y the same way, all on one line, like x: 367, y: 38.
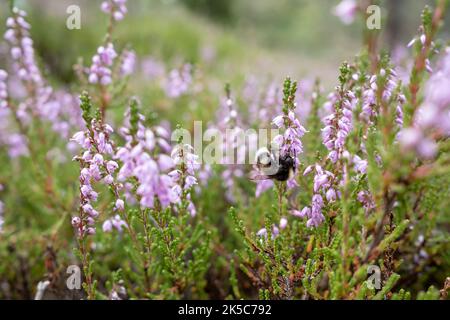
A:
x: 120, y: 205
x: 3, y: 89
x: 275, y: 231
x: 114, y: 223
x: 338, y: 126
x: 17, y: 145
x: 365, y: 198
x: 331, y: 195
x: 94, y: 167
x: 229, y: 124
x: 183, y: 178
x: 117, y: 8
x: 107, y: 226
x: 178, y: 81
x: 139, y: 164
x: 346, y: 11
x: 360, y: 165
x: 432, y: 116
x: 283, y: 223
x: 262, y: 186
x: 301, y: 214
x: 315, y: 217
x: 369, y: 102
x: 262, y: 233
x: 100, y: 70
x: 128, y: 63
x: 22, y: 52
x: 290, y: 143
x: 324, y: 182
x: 76, y: 222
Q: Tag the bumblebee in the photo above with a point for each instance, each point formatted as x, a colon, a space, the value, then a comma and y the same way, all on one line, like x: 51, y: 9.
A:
x: 271, y: 166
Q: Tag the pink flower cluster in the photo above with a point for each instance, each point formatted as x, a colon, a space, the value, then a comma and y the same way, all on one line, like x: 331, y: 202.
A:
x: 128, y: 63
x: 432, y: 116
x: 338, y: 126
x: 178, y: 81
x: 369, y: 100
x: 116, y: 8
x: 346, y: 11
x: 16, y: 143
x: 41, y: 102
x: 275, y: 229
x: 138, y: 163
x: 421, y: 41
x: 97, y: 146
x: 114, y: 223
x: 3, y: 89
x: 290, y: 142
x: 183, y: 177
x: 230, y: 125
x: 323, y: 184
x: 22, y: 52
x: 100, y: 70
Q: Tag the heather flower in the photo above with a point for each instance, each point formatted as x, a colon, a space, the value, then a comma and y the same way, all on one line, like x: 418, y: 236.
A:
x: 183, y: 177
x: 365, y: 198
x: 315, y: 217
x: 114, y: 223
x: 95, y: 167
x: 360, y: 165
x: 262, y: 233
x: 128, y: 63
x: 421, y: 42
x: 346, y: 11
x: 369, y: 100
x: 3, y: 89
x: 120, y: 205
x: 229, y: 124
x: 338, y: 126
x: 22, y: 52
x: 324, y: 182
x: 289, y: 143
x: 283, y: 223
x: 138, y: 163
x: 17, y: 145
x: 331, y: 195
x: 116, y: 8
x: 433, y: 115
x: 178, y: 81
x: 262, y: 186
x: 100, y: 70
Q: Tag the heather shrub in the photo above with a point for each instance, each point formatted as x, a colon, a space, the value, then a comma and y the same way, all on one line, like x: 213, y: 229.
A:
x: 103, y: 196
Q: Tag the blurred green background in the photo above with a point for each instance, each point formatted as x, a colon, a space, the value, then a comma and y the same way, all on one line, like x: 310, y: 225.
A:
x: 301, y: 38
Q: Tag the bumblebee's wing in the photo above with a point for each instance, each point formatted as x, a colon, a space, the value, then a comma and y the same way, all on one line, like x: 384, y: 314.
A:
x: 257, y: 176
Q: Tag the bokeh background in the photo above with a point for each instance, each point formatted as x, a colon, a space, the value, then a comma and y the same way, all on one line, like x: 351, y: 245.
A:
x: 231, y: 39
x: 247, y: 43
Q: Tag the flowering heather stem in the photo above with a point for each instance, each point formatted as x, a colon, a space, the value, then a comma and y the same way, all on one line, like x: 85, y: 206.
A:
x: 430, y: 27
